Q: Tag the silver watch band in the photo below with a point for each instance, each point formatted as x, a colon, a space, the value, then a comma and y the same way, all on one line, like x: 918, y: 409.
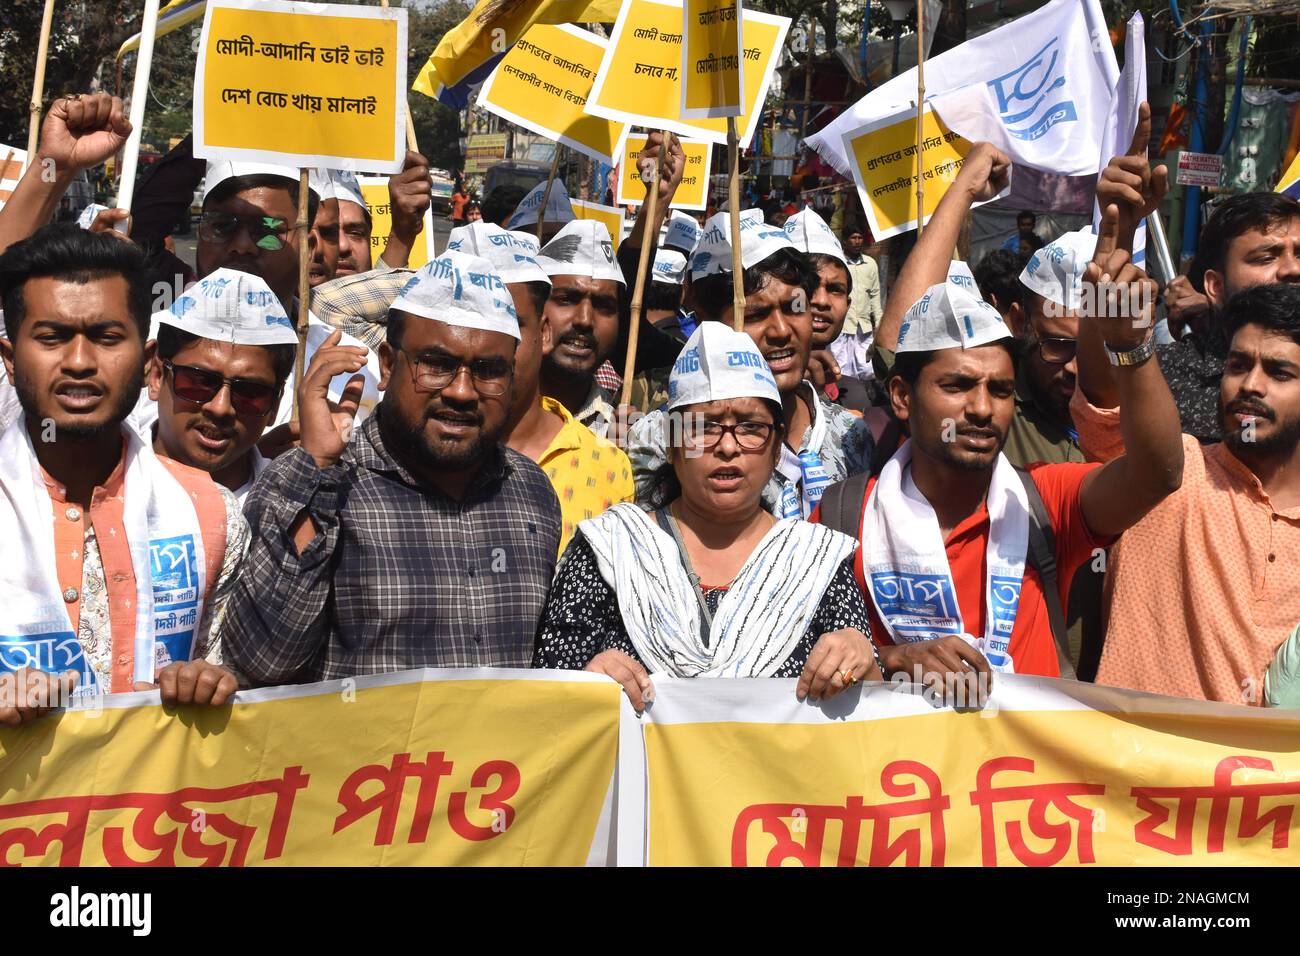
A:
x: 1134, y: 356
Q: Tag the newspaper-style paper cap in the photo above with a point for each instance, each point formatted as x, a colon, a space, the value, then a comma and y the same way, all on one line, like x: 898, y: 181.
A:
x: 462, y: 290
x: 219, y: 172
x: 336, y: 184
x: 513, y: 254
x: 231, y: 306
x: 757, y: 241
x: 88, y: 215
x: 1056, y: 271
x: 669, y: 267
x: 716, y: 363
x: 949, y: 316
x: 683, y: 233
x: 558, y: 207
x: 581, y: 248
x: 809, y: 233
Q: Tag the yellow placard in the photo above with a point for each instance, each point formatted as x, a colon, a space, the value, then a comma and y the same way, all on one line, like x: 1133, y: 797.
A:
x: 611, y: 216
x: 542, y: 84
x: 421, y: 768
x: 713, y: 61
x: 693, y: 193
x: 883, y: 154
x: 640, y: 78
x: 327, y: 88
x: 374, y: 190
x: 1073, y: 777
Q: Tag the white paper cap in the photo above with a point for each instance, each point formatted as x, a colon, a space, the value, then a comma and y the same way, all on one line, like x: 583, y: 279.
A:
x: 949, y: 316
x: 231, y: 306
x: 581, y: 248
x: 959, y: 274
x: 462, y: 290
x: 718, y: 363
x: 336, y: 184
x: 757, y: 241
x: 809, y: 233
x: 1056, y: 271
x: 669, y: 267
x: 219, y: 172
x: 512, y: 254
x: 683, y: 232
x: 87, y: 217
x: 558, y: 207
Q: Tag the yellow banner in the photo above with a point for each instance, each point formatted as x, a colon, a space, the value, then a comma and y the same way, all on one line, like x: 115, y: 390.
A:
x: 326, y: 88
x: 374, y: 190
x: 445, y: 768
x: 883, y: 154
x: 542, y: 85
x: 611, y: 216
x: 713, y: 61
x: 1047, y: 773
x: 640, y: 78
x: 693, y: 193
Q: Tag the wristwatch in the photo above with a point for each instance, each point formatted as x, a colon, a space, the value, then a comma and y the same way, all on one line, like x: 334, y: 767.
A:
x: 1133, y: 356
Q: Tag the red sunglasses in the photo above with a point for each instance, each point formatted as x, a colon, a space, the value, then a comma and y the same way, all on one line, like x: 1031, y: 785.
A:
x: 200, y: 386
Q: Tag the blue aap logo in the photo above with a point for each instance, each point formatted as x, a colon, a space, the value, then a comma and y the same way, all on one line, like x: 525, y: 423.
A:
x: 1030, y: 98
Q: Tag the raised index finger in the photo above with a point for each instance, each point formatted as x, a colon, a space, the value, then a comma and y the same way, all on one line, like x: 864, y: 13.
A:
x: 1107, y: 236
x: 1141, y: 135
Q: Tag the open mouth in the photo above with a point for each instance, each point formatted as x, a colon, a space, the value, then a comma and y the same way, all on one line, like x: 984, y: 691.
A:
x: 455, y: 424
x: 725, y: 479
x: 78, y: 397
x: 212, y: 439
x: 780, y: 360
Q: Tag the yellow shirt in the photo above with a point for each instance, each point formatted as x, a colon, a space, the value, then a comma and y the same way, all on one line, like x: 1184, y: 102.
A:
x: 588, y: 473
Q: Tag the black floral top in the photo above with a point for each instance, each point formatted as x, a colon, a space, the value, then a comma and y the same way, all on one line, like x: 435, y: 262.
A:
x: 1193, y: 367
x: 582, y: 617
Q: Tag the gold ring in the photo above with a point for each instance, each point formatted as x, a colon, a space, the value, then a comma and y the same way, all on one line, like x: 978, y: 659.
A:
x: 847, y: 676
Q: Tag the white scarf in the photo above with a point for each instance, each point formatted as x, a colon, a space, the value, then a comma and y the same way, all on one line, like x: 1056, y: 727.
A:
x: 805, y: 475
x: 906, y: 563
x: 162, y: 530
x: 760, y: 620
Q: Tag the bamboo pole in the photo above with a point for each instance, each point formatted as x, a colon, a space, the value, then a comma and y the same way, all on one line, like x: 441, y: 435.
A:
x: 920, y: 114
x: 302, y: 227
x: 139, y: 94
x: 38, y: 82
x: 546, y: 193
x: 733, y: 200
x: 649, y: 239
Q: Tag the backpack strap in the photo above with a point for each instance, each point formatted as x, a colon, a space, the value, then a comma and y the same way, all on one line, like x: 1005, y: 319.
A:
x: 841, y: 504
x: 1041, y: 556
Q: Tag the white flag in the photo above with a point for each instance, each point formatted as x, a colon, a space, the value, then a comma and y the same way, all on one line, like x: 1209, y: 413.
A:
x: 1130, y: 92
x: 1047, y: 111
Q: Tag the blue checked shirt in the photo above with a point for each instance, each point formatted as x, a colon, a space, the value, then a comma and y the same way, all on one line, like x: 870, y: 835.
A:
x: 399, y: 576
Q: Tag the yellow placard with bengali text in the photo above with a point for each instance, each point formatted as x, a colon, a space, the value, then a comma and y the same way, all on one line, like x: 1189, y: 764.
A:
x: 692, y: 193
x: 417, y: 768
x: 275, y: 84
x: 640, y: 78
x: 374, y: 190
x: 1039, y: 780
x: 542, y: 84
x: 883, y: 153
x: 611, y: 216
x: 713, y: 61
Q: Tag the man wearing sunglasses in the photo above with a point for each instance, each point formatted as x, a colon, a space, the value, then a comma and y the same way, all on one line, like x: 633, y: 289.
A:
x: 225, y: 349
x: 419, y: 539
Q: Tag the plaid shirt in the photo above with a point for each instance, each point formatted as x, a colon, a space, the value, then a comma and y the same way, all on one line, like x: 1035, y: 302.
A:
x: 399, y: 576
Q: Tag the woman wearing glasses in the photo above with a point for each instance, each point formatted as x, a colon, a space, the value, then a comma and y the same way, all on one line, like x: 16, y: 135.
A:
x: 706, y: 583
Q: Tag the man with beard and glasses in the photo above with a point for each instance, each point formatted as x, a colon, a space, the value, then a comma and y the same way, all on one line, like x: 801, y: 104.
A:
x: 945, y: 531
x: 120, y: 559
x: 418, y: 540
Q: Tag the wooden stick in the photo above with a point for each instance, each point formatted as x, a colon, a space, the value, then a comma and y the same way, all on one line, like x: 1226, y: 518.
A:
x: 649, y: 239
x: 304, y: 290
x: 920, y: 113
x: 546, y: 193
x: 733, y: 200
x: 38, y: 83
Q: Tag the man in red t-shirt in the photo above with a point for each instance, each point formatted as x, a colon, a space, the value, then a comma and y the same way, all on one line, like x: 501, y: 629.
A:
x: 925, y: 561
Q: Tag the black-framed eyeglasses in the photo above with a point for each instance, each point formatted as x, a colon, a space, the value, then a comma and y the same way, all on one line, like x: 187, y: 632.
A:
x: 1057, y: 350
x: 267, y: 232
x: 432, y: 373
x: 751, y: 436
x: 201, y: 385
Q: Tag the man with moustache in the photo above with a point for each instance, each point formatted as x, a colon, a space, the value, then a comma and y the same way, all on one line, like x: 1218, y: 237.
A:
x: 420, y: 540
x: 122, y: 559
